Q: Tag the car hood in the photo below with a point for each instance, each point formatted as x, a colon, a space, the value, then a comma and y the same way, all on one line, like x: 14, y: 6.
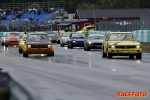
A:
x: 38, y: 42
x: 65, y: 37
x: 77, y: 39
x: 13, y: 38
x: 123, y: 43
x: 95, y: 41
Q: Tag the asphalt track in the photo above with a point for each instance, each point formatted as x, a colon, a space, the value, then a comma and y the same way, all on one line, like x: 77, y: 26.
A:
x: 75, y: 74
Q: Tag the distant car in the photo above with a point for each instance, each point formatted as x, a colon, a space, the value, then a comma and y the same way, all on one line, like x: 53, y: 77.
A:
x: 3, y: 38
x: 53, y: 36
x: 76, y: 40
x: 12, y: 38
x: 93, y: 41
x: 64, y: 38
x: 121, y: 44
x: 36, y: 43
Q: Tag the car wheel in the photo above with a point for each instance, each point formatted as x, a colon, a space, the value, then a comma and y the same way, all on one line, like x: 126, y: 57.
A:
x: 20, y: 50
x: 6, y: 45
x: 104, y: 54
x: 71, y: 46
x: 68, y: 45
x: 109, y: 55
x: 58, y: 42
x: 25, y: 55
x: 62, y: 45
x: 131, y: 56
x: 139, y: 56
x: 50, y: 54
x: 87, y: 48
x: 2, y: 44
x: 84, y: 48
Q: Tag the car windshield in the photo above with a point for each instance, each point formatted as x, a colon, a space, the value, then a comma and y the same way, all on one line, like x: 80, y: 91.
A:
x: 12, y: 34
x: 38, y: 37
x: 78, y: 36
x: 120, y: 37
x: 65, y: 34
x: 95, y: 37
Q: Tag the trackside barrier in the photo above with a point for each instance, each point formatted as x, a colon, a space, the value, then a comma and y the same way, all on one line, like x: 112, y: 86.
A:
x: 12, y: 90
x: 21, y: 33
x: 142, y: 35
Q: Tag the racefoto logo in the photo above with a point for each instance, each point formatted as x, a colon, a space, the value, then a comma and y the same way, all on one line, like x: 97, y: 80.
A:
x: 132, y: 94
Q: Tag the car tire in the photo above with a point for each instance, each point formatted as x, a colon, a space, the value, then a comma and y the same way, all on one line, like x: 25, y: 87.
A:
x: 131, y: 56
x: 109, y: 55
x: 71, y: 46
x: 20, y: 50
x: 2, y: 44
x: 50, y: 54
x: 87, y: 48
x: 62, y: 45
x: 139, y: 56
x: 104, y: 55
x: 6, y: 45
x: 24, y: 55
x: 84, y: 48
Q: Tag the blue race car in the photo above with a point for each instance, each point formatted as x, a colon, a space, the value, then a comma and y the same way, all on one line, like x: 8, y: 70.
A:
x: 76, y: 40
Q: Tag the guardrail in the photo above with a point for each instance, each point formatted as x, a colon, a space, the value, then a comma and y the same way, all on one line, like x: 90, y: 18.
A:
x: 13, y: 90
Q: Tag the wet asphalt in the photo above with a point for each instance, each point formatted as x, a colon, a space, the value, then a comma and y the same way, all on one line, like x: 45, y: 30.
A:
x: 75, y: 74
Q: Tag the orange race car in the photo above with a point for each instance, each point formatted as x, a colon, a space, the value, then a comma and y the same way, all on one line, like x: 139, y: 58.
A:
x: 12, y: 38
x: 36, y: 43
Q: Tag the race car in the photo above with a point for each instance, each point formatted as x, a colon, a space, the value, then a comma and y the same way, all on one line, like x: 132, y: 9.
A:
x: 76, y: 40
x: 12, y: 38
x: 93, y: 41
x: 121, y: 44
x: 64, y: 38
x: 36, y: 43
x: 3, y: 38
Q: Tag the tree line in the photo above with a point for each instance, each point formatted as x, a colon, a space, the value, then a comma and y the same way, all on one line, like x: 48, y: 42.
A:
x: 72, y: 5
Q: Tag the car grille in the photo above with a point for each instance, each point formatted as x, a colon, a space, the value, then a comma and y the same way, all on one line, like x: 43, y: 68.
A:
x: 97, y: 43
x: 125, y: 47
x: 13, y: 41
x: 39, y: 46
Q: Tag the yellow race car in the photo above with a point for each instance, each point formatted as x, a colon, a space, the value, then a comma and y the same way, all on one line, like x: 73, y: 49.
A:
x: 121, y: 44
x: 36, y: 43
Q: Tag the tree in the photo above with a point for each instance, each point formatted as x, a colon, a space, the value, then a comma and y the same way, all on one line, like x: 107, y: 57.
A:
x: 106, y: 4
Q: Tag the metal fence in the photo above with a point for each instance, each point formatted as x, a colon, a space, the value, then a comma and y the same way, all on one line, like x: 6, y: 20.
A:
x: 42, y: 5
x: 142, y: 24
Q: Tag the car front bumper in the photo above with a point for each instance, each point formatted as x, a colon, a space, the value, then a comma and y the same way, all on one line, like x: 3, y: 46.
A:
x: 124, y: 51
x: 12, y: 42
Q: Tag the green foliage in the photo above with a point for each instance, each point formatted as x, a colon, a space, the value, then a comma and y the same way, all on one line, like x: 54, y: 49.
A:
x: 72, y: 5
x: 34, y: 5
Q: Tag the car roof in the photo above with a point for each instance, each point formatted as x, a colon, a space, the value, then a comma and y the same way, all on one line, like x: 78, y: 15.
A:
x: 37, y: 33
x: 96, y: 35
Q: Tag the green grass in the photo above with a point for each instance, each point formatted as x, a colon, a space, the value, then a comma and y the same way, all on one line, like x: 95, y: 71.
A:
x: 146, y: 47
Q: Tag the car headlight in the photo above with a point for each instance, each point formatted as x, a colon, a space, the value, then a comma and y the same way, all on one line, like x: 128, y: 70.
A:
x: 29, y: 46
x: 65, y: 39
x: 50, y: 39
x: 4, y: 39
x: 58, y: 38
x: 112, y: 46
x: 74, y: 41
x: 49, y: 46
x: 89, y: 42
x: 137, y: 46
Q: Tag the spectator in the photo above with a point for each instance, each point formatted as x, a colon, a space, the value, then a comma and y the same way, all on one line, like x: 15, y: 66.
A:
x: 31, y: 19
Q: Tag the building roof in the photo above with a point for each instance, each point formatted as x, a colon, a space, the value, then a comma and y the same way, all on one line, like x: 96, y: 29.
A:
x: 112, y: 13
